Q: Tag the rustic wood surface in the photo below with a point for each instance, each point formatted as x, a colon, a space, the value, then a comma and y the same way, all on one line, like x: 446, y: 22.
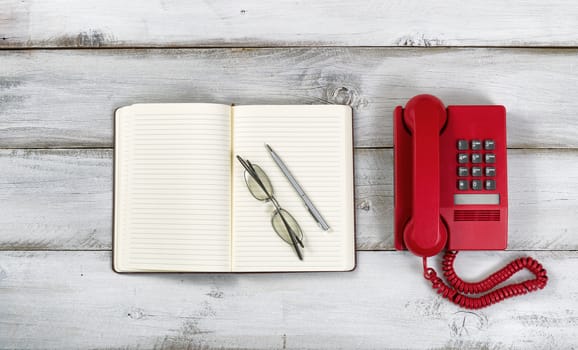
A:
x: 62, y: 199
x: 65, y: 66
x: 71, y: 300
x: 109, y: 23
x: 65, y: 98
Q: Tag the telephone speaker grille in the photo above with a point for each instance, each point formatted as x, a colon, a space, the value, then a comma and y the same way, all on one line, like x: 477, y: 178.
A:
x: 476, y: 215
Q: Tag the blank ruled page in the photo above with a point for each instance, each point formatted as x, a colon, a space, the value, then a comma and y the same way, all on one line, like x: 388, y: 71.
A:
x: 172, y: 188
x: 315, y: 142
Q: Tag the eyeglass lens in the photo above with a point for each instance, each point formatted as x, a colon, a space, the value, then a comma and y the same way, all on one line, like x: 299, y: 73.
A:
x: 255, y: 188
x: 282, y: 229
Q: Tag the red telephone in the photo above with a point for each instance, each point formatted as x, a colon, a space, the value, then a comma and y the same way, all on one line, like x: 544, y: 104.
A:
x: 451, y: 192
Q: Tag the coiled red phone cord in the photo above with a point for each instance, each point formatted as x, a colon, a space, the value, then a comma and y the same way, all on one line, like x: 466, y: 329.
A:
x: 457, y: 286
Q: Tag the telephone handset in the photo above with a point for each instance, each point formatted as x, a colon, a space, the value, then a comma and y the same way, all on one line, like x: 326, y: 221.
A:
x: 451, y: 192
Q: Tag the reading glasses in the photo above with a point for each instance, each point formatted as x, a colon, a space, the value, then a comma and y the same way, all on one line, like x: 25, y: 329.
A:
x: 283, y: 223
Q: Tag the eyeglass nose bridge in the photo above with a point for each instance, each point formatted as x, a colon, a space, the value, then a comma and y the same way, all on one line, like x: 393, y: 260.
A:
x: 275, y: 203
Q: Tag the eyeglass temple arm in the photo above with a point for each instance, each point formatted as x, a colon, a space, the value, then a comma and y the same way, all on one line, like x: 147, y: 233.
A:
x: 293, y: 240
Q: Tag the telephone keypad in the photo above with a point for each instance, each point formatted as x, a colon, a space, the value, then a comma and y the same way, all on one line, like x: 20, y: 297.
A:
x: 476, y: 168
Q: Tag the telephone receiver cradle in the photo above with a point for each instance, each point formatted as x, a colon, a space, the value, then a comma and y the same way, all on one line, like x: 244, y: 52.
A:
x: 450, y: 182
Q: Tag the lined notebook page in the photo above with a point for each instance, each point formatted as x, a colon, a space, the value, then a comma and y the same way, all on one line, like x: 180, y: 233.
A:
x: 315, y: 142
x: 172, y: 188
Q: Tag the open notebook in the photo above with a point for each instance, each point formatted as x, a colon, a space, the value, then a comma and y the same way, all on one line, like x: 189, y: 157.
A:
x: 181, y: 202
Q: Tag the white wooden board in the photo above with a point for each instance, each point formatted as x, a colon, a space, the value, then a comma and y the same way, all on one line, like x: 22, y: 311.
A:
x: 55, y: 199
x: 109, y: 23
x: 72, y: 300
x: 57, y: 289
x: 62, y: 199
x: 67, y: 98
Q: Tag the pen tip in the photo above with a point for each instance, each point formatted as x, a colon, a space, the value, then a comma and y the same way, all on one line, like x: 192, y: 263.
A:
x: 268, y: 148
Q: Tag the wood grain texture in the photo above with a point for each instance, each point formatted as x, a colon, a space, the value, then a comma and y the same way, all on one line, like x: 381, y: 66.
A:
x: 73, y: 300
x: 67, y: 98
x: 56, y: 199
x: 108, y: 23
x: 62, y: 199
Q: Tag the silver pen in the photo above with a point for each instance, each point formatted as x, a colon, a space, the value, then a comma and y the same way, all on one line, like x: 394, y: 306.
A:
x: 312, y: 210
